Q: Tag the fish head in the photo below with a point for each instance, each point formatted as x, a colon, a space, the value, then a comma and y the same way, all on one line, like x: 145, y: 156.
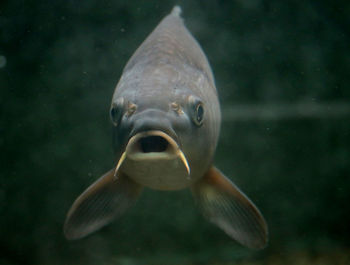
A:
x: 165, y: 110
x: 161, y: 138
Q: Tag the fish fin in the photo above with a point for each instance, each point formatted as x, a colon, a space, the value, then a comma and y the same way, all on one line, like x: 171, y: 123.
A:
x: 176, y: 11
x: 222, y: 203
x: 106, y: 199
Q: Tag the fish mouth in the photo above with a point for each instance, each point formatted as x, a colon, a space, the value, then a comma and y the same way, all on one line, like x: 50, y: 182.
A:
x: 152, y: 145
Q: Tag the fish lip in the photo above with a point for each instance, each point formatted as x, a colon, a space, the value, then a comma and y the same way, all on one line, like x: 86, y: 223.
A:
x: 169, y: 133
x: 170, y: 151
x: 166, y: 148
x: 138, y: 150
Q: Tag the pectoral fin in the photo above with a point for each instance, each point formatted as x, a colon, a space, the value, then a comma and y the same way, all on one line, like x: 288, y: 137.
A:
x: 106, y: 199
x: 222, y: 203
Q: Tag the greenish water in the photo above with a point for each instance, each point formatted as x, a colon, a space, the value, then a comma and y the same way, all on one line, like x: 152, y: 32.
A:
x: 59, y: 64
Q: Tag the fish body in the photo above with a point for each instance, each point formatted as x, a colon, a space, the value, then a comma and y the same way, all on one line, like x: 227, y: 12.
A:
x: 166, y: 116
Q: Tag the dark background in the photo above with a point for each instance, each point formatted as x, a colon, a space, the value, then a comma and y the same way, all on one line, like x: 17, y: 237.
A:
x: 59, y: 64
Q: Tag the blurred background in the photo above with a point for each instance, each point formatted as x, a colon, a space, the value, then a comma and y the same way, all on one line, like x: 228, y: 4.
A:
x: 282, y: 72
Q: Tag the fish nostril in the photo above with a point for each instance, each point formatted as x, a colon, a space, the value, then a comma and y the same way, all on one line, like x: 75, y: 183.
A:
x: 153, y: 144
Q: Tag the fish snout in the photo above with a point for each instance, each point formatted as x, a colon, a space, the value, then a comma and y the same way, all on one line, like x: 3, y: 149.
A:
x: 153, y: 120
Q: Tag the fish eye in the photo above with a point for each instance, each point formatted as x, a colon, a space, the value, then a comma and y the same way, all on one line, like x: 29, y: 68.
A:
x: 197, y: 110
x: 199, y: 113
x: 117, y: 111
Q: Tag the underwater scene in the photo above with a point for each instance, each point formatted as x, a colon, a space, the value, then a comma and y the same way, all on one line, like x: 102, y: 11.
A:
x: 175, y: 132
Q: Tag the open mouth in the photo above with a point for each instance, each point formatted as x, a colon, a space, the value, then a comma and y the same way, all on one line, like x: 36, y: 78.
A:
x: 153, y: 143
x: 152, y: 146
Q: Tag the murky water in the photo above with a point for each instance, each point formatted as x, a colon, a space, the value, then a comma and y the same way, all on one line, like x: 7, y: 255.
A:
x: 281, y: 71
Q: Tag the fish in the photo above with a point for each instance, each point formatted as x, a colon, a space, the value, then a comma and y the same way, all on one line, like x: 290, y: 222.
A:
x: 166, y: 121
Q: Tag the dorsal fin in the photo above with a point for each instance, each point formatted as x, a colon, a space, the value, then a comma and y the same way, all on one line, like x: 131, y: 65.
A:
x: 176, y: 11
